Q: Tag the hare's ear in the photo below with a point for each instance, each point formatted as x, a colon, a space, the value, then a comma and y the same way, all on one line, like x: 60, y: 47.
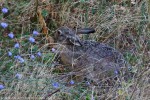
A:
x: 85, y: 30
x: 77, y: 43
x: 75, y: 40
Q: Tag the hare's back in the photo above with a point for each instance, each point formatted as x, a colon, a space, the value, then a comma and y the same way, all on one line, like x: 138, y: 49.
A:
x: 100, y: 50
x: 105, y: 60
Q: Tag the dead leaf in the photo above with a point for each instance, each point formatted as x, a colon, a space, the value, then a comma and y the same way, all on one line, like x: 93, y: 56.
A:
x: 44, y: 26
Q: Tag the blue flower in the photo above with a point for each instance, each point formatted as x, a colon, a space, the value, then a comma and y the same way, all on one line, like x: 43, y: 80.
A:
x: 16, y: 45
x: 19, y: 76
x: 35, y: 33
x: 53, y: 49
x: 31, y: 39
x: 19, y: 58
x: 4, y: 10
x: 32, y: 57
x: 55, y: 85
x: 4, y: 25
x: 39, y: 54
x: 1, y: 87
x: 71, y: 82
x: 9, y: 53
x: 11, y: 35
x: 116, y: 72
x: 87, y: 83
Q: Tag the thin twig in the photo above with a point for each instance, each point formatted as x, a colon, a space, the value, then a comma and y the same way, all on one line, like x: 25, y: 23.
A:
x: 50, y: 94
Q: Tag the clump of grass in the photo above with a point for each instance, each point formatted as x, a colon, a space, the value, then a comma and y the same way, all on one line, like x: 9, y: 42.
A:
x: 27, y: 66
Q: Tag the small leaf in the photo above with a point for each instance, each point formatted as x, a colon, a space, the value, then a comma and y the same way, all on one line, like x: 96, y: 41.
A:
x: 82, y: 0
x: 120, y: 92
x: 44, y: 13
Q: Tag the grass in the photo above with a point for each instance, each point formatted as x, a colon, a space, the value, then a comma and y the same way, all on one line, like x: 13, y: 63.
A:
x: 119, y: 24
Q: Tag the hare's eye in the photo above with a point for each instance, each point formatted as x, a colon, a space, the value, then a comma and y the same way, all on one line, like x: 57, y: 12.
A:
x: 60, y: 32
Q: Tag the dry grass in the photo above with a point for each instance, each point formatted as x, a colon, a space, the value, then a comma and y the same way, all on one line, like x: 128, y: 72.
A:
x: 118, y: 24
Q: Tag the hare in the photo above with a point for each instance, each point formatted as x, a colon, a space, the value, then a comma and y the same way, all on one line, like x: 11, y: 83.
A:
x: 91, y: 59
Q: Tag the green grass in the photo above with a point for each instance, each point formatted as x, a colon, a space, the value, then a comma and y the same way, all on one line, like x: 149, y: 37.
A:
x: 120, y: 25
